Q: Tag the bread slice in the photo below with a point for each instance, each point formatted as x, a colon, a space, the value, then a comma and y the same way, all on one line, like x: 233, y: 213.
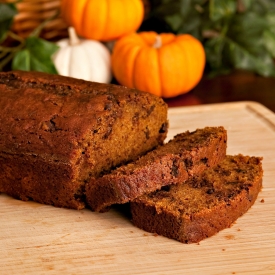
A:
x: 56, y: 132
x: 205, y: 204
x: 187, y: 154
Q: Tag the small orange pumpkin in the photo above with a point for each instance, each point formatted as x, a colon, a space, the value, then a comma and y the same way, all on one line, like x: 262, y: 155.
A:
x: 103, y: 20
x: 163, y: 64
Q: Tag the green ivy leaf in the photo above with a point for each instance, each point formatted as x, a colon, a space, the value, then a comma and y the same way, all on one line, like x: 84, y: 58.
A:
x: 247, y: 4
x: 222, y: 9
x: 247, y: 30
x: 175, y: 21
x: 269, y: 34
x: 241, y: 58
x: 214, y: 52
x: 7, y: 12
x: 269, y: 39
x: 262, y: 7
x: 183, y: 16
x: 36, y: 56
x: 21, y: 61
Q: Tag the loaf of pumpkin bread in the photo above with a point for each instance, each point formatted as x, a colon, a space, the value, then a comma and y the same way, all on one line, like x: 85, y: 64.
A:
x: 57, y: 132
x: 203, y: 205
x: 187, y: 154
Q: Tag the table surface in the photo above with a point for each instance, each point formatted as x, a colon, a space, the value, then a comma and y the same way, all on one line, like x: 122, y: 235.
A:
x: 237, y: 86
x: 41, y: 239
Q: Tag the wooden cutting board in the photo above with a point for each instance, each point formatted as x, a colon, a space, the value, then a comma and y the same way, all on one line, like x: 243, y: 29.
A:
x: 40, y: 239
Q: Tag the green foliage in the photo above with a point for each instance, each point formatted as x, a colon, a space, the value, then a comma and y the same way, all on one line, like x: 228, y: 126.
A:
x: 7, y: 12
x: 35, y: 56
x: 236, y: 34
x: 30, y: 54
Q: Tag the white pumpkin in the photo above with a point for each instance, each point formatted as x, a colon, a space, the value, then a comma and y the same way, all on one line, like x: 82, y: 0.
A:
x: 83, y: 58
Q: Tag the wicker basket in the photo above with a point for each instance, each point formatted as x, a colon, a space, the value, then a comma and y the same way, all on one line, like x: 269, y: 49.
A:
x: 32, y: 13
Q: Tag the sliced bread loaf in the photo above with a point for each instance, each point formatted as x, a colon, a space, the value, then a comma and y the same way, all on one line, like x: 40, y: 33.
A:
x: 56, y: 132
x: 205, y: 204
x: 185, y: 155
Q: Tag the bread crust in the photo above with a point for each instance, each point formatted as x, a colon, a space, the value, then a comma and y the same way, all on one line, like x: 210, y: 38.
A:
x: 185, y: 155
x: 191, y: 212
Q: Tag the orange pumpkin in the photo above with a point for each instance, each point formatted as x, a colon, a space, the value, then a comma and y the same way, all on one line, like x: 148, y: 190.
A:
x: 103, y: 20
x: 163, y: 64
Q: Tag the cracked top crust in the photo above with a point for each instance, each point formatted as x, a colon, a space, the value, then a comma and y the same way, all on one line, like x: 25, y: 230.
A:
x: 48, y: 110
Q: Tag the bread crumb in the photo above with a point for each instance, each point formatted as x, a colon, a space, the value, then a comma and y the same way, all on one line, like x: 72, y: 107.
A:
x: 145, y: 234
x: 223, y: 249
x: 230, y: 237
x: 262, y: 200
x: 155, y: 234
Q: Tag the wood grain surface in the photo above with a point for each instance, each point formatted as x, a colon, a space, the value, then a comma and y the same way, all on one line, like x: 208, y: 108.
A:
x: 40, y: 239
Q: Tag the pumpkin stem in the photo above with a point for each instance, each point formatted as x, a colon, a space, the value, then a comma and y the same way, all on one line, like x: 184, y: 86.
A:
x: 74, y: 40
x: 158, y: 42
